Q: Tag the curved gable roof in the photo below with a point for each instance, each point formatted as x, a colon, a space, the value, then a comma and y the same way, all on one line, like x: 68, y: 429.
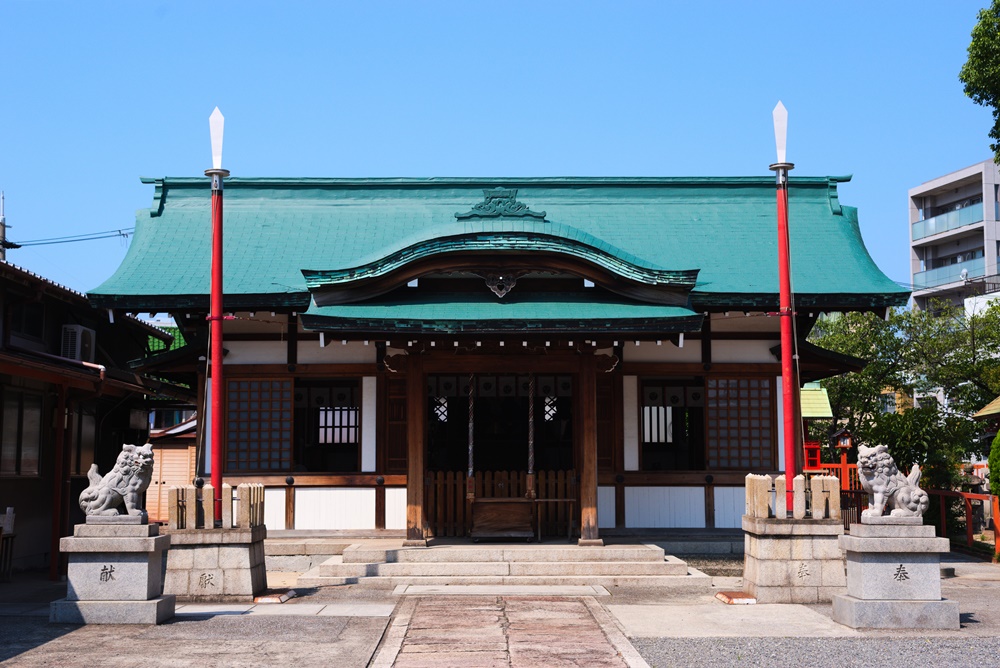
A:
x: 722, y: 227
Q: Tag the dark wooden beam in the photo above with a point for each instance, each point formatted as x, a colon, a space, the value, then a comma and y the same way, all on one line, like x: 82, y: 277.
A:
x: 588, y: 441
x: 415, y: 390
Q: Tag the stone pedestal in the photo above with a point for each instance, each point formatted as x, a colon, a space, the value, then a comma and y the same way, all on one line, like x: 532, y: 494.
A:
x: 216, y: 565
x: 792, y: 560
x: 114, y: 575
x: 894, y: 579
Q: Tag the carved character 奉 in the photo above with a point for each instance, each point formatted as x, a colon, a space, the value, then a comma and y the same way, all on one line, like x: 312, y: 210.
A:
x: 887, y: 487
x: 122, y: 486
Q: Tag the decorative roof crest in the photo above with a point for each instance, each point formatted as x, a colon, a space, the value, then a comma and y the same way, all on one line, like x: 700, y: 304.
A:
x: 500, y: 202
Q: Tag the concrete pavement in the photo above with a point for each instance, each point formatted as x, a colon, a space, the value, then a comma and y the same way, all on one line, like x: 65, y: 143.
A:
x: 359, y: 626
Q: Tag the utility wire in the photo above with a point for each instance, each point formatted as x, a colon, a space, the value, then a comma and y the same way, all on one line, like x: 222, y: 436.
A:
x: 93, y: 236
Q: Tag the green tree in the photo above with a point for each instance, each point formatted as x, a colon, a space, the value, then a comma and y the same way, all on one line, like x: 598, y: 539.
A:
x: 855, y: 398
x: 924, y: 436
x: 955, y: 352
x: 981, y: 72
x: 916, y: 352
x: 994, y: 462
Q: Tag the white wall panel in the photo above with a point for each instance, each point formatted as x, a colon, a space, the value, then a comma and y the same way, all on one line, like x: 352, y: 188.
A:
x: 206, y: 419
x: 336, y: 352
x: 274, y: 508
x: 256, y: 352
x: 665, y: 507
x: 368, y: 423
x: 605, y: 507
x: 665, y: 352
x: 395, y: 507
x: 743, y: 351
x: 730, y: 504
x: 309, y: 352
x: 334, y: 508
x: 777, y: 399
x: 630, y: 421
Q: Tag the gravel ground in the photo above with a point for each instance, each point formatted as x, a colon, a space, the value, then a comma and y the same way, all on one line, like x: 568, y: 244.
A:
x: 715, y: 565
x: 819, y: 652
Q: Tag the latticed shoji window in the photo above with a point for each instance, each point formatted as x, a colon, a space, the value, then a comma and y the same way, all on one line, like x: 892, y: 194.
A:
x: 259, y: 418
x: 739, y: 423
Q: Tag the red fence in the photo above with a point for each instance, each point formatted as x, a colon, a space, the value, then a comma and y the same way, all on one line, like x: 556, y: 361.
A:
x: 967, y: 503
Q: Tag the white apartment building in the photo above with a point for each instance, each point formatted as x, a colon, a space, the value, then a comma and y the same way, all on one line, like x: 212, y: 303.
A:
x: 954, y: 235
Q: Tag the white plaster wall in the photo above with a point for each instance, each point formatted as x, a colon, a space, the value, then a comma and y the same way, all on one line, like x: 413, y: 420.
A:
x: 207, y: 420
x: 665, y: 507
x: 256, y: 352
x: 630, y: 421
x: 737, y: 322
x: 336, y: 352
x: 648, y: 351
x: 743, y: 351
x: 781, y: 422
x: 368, y: 385
x: 334, y: 508
x: 274, y: 508
x: 395, y: 507
x: 605, y: 507
x: 730, y: 504
x: 309, y: 352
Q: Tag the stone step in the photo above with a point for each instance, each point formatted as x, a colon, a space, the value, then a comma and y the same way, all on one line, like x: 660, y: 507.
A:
x: 694, y: 583
x: 506, y: 553
x: 303, y: 546
x: 335, y: 567
x: 300, y: 554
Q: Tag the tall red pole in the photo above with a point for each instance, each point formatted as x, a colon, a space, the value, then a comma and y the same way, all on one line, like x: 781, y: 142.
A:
x: 789, y: 384
x: 215, y: 334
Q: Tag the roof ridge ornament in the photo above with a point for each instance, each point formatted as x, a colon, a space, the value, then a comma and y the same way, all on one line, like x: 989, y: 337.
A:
x: 498, y: 202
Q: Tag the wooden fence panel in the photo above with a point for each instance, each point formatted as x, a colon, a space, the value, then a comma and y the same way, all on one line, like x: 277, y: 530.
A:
x: 448, y: 512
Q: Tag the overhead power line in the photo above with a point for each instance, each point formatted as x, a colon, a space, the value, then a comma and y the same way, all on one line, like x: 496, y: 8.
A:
x: 124, y: 233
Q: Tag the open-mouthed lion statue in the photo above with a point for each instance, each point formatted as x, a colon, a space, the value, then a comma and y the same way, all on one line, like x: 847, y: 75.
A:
x: 887, y: 487
x: 123, y: 485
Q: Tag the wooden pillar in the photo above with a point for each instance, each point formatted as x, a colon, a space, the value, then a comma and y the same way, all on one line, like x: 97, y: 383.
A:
x: 290, y: 505
x: 415, y: 413
x: 60, y: 485
x: 588, y: 442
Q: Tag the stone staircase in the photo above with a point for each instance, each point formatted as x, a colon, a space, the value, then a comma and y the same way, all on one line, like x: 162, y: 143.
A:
x: 503, y: 564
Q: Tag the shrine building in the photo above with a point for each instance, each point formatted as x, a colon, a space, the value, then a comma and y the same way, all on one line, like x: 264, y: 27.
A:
x: 495, y: 357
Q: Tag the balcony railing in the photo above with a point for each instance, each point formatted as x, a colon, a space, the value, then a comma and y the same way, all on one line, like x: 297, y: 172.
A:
x: 950, y: 274
x: 948, y: 221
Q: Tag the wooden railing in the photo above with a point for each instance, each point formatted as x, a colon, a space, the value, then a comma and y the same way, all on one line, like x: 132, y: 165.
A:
x: 448, y: 512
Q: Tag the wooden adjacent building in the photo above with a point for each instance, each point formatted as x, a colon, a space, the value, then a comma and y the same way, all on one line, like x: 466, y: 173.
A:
x: 69, y: 399
x: 402, y: 353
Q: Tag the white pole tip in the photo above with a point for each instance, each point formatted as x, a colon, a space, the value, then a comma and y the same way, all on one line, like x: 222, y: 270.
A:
x: 216, y: 123
x: 780, y: 116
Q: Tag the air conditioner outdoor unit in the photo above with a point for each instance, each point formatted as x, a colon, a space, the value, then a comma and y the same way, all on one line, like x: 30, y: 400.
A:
x: 78, y: 343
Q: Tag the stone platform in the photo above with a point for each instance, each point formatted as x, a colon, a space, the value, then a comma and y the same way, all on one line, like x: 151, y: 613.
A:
x: 114, y: 575
x: 793, y: 560
x: 894, y: 579
x: 217, y: 565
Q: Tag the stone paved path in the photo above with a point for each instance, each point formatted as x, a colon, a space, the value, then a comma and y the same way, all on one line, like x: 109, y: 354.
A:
x: 474, y: 632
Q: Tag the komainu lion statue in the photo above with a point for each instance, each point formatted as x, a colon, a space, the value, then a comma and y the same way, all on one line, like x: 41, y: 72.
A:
x: 887, y: 487
x: 123, y: 485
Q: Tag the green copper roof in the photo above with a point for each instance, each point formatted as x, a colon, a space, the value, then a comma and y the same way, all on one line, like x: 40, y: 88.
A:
x: 499, y: 237
x: 480, y: 312
x: 723, y: 228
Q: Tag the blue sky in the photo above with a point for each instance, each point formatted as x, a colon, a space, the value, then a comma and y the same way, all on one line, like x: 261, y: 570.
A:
x: 94, y: 95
